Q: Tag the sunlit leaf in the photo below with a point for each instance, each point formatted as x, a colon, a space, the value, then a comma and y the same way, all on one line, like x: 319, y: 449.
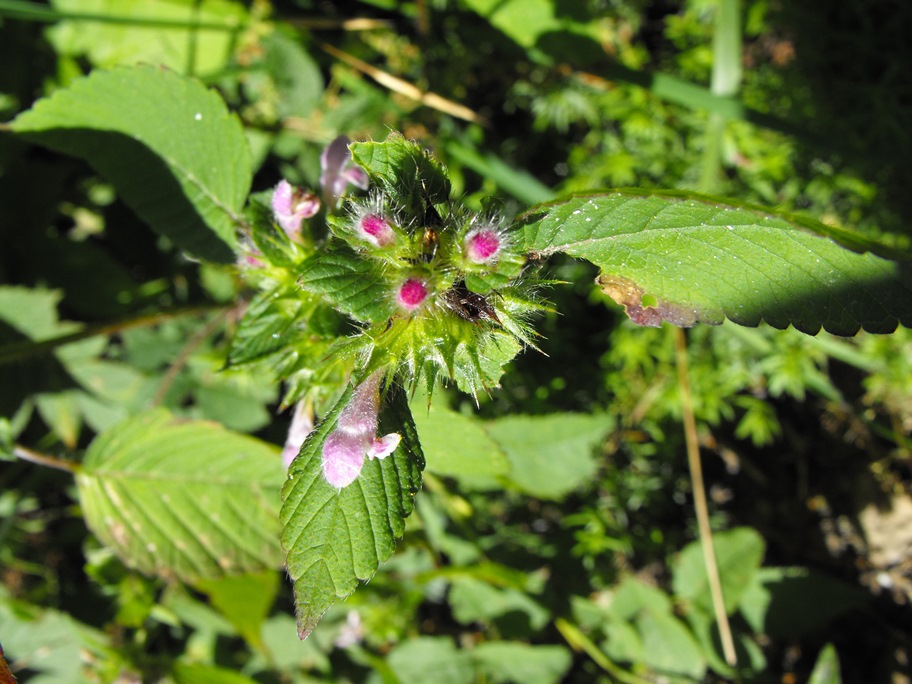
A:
x: 335, y: 538
x: 169, y: 146
x: 682, y: 259
x: 183, y: 499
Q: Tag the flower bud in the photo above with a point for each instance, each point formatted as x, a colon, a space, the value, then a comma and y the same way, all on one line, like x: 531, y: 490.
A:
x: 376, y: 230
x: 412, y: 294
x: 483, y: 245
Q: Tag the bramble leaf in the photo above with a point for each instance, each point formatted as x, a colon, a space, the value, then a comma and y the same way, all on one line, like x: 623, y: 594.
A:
x: 183, y: 499
x: 335, y: 538
x: 679, y: 258
x: 175, y: 154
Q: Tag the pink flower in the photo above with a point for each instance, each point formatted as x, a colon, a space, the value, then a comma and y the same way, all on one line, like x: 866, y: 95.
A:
x: 338, y: 171
x: 291, y: 205
x: 376, y: 230
x: 482, y: 245
x: 355, y: 436
x: 302, y: 423
x: 412, y: 294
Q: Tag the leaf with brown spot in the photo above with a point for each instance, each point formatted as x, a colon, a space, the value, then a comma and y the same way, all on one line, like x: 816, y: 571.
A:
x: 682, y: 258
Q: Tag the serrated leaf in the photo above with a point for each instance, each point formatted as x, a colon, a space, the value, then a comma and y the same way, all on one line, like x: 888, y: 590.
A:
x: 405, y: 171
x: 689, y: 258
x: 169, y: 146
x: 335, y: 538
x: 349, y: 282
x: 183, y: 499
x: 265, y: 327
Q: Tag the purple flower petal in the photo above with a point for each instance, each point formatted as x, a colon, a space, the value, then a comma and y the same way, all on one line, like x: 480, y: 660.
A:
x: 343, y: 458
x: 384, y: 446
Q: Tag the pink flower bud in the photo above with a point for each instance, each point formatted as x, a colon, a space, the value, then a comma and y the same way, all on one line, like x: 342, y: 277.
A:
x: 301, y: 424
x: 291, y: 205
x: 412, y: 294
x: 482, y: 245
x: 338, y: 171
x: 355, y: 436
x: 376, y: 230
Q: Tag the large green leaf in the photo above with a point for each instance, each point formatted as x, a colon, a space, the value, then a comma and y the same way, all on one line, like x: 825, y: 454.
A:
x: 183, y: 499
x: 688, y: 258
x: 335, y: 538
x: 183, y: 35
x: 169, y: 146
x: 456, y: 445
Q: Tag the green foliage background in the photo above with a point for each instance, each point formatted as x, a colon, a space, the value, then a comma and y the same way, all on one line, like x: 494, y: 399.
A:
x: 553, y: 538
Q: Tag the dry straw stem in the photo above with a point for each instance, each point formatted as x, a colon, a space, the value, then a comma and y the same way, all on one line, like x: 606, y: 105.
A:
x: 699, y: 495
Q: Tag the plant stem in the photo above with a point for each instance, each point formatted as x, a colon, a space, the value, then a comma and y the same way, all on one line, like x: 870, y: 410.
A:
x: 699, y: 495
x: 580, y: 642
x: 181, y: 360
x: 14, y: 353
x: 43, y: 459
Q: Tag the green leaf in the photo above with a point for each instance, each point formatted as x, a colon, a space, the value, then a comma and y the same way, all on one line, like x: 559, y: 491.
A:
x: 688, y: 258
x: 792, y: 602
x: 183, y: 499
x: 349, y: 282
x: 295, y: 74
x: 52, y: 643
x: 473, y: 600
x: 197, y: 673
x: 169, y: 146
x: 405, y: 171
x: 826, y: 669
x: 158, y: 32
x: 270, y: 320
x: 516, y: 662
x: 431, y: 660
x: 244, y: 600
x: 668, y: 646
x: 739, y: 553
x: 458, y: 446
x: 634, y: 597
x: 334, y: 538
x: 550, y: 455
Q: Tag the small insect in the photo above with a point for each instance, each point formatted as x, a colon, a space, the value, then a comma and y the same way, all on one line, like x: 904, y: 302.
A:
x: 469, y: 305
x: 430, y: 241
